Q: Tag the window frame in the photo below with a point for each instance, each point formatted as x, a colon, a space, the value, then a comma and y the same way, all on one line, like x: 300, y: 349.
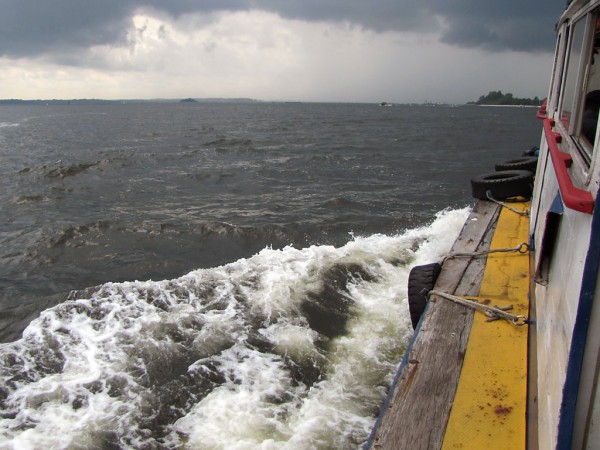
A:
x: 575, y: 102
x: 557, y: 69
x: 584, y: 154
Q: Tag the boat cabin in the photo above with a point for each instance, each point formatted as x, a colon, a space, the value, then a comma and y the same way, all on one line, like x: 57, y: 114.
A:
x: 565, y: 235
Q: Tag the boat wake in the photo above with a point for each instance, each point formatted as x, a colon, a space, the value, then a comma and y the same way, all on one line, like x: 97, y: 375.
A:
x: 291, y: 348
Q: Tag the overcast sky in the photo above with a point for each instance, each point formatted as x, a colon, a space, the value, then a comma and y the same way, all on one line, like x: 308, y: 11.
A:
x: 307, y: 50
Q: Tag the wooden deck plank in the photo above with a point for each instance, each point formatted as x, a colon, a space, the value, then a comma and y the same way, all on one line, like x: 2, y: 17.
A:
x: 418, y: 407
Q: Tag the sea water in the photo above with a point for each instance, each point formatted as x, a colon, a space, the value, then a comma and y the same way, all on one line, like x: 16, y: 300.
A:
x: 272, y: 243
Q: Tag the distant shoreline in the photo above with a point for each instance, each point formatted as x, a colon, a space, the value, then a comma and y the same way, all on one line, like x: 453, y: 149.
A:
x: 192, y: 101
x: 508, y: 106
x: 95, y: 101
x: 497, y: 98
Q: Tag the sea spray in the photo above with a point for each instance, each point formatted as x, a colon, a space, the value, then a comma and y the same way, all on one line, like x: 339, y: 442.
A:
x: 291, y: 348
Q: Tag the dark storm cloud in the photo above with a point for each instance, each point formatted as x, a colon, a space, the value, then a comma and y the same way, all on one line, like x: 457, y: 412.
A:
x: 522, y: 25
x: 33, y: 27
x: 379, y: 15
x: 526, y: 25
x: 37, y: 27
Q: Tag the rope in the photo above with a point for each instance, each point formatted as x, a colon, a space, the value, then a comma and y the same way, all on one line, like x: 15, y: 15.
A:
x: 492, y: 312
x: 504, y: 205
x: 521, y: 248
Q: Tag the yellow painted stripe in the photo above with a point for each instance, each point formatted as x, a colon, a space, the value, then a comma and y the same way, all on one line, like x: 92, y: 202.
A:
x: 490, y: 404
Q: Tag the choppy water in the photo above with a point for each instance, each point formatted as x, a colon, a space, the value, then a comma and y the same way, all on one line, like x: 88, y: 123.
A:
x: 284, y: 234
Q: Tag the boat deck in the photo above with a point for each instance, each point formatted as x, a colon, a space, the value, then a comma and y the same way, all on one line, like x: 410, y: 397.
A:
x: 463, y: 381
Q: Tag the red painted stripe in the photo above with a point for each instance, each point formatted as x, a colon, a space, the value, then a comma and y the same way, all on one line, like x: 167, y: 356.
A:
x: 573, y: 198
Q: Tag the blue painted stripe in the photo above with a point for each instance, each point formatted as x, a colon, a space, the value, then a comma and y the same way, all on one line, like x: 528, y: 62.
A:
x: 557, y: 205
x: 568, y: 406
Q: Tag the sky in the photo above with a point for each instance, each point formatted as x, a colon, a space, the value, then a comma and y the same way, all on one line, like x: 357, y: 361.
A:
x: 399, y: 51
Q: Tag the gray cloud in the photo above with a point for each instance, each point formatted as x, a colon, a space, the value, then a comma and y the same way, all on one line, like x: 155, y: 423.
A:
x: 29, y: 27
x: 523, y: 25
x: 42, y: 27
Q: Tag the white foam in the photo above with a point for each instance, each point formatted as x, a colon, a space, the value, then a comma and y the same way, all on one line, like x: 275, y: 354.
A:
x: 7, y: 124
x: 99, y: 368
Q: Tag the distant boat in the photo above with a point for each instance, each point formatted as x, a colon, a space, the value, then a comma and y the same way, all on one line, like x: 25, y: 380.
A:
x: 385, y: 104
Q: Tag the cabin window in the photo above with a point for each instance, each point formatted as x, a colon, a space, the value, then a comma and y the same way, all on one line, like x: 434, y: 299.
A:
x: 570, y: 81
x: 591, y: 101
x: 556, y: 71
x: 581, y: 84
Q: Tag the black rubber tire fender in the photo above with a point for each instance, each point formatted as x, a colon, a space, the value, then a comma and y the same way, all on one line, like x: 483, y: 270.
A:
x: 524, y: 163
x: 503, y: 184
x: 421, y: 280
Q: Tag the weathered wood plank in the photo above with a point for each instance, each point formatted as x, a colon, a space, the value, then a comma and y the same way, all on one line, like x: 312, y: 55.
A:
x: 419, y: 406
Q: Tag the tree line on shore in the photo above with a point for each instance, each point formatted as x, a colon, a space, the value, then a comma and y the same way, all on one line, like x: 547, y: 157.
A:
x: 498, y: 98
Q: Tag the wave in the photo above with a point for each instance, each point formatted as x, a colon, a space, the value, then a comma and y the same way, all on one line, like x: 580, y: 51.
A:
x: 287, y: 349
x: 59, y: 170
x: 80, y: 235
x: 77, y: 236
x: 229, y: 142
x: 223, y: 145
x: 342, y: 203
x: 22, y: 199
